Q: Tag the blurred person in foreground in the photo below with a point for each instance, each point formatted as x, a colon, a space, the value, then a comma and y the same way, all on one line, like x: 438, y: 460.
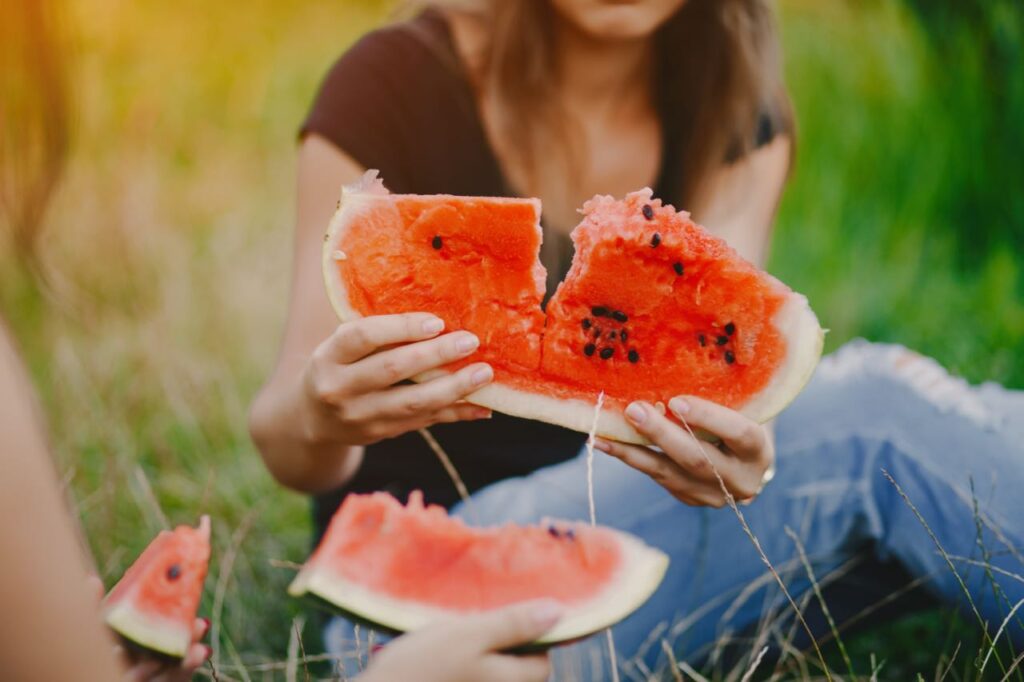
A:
x: 562, y: 100
x: 47, y: 580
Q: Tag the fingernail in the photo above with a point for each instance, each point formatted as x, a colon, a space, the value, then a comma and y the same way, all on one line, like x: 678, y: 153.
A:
x: 433, y: 326
x: 636, y: 413
x: 482, y: 414
x: 547, y: 613
x: 209, y: 652
x: 467, y: 343
x: 206, y: 625
x: 601, y: 445
x: 482, y: 375
x: 679, y: 406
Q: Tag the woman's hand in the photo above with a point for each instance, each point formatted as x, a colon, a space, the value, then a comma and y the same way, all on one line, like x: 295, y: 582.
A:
x: 141, y: 668
x: 138, y: 667
x: 685, y: 466
x: 350, y: 379
x: 468, y: 649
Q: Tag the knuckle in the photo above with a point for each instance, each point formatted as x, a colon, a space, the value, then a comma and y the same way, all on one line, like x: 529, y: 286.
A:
x: 750, y: 436
x: 355, y: 333
x: 392, y: 369
x: 413, y: 405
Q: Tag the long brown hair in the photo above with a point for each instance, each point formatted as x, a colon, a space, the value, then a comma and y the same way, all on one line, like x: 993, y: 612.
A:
x: 717, y: 70
x: 34, y: 121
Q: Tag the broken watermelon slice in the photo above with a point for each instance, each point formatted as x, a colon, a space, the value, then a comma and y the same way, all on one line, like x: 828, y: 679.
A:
x: 400, y: 568
x: 154, y: 605
x: 653, y: 306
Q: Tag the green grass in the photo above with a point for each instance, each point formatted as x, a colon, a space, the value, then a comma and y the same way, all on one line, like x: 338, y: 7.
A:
x: 165, y: 258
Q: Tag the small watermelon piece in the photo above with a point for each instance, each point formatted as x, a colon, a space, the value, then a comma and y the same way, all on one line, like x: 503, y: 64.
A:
x: 401, y: 568
x: 653, y: 306
x: 154, y: 605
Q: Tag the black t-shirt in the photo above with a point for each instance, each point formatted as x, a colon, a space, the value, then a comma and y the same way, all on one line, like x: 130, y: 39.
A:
x: 400, y: 101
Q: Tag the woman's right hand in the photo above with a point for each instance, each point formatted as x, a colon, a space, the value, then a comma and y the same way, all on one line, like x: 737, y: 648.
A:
x: 350, y: 379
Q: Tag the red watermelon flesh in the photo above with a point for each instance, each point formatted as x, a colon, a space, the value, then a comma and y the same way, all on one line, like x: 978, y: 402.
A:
x: 403, y: 567
x: 653, y: 306
x: 155, y: 603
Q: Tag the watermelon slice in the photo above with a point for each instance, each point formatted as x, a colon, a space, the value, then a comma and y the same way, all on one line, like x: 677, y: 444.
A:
x: 154, y: 604
x: 653, y: 306
x: 400, y: 568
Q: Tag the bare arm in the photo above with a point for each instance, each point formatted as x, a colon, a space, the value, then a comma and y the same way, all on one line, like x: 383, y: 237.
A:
x: 333, y: 389
x: 739, y: 202
x: 57, y: 634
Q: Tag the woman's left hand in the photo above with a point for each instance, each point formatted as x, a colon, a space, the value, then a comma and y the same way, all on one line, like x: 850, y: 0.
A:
x: 685, y: 466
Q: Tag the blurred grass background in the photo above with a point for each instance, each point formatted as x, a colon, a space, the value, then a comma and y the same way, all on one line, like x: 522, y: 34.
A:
x: 165, y: 256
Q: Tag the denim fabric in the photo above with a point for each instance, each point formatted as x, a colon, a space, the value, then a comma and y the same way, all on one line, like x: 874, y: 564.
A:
x: 955, y: 451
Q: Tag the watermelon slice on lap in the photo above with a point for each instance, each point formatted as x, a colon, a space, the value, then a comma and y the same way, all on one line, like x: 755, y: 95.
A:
x: 154, y: 605
x: 653, y: 306
x: 400, y: 568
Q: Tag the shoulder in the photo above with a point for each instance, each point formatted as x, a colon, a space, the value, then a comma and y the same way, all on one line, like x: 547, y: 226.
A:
x: 397, y: 60
x: 398, y: 88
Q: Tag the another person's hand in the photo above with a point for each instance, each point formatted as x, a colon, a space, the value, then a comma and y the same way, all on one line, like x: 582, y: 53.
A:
x: 469, y: 649
x: 141, y: 668
x: 350, y: 379
x: 685, y: 467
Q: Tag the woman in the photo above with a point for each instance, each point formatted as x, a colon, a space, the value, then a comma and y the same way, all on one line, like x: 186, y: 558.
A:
x: 48, y: 587
x: 563, y: 99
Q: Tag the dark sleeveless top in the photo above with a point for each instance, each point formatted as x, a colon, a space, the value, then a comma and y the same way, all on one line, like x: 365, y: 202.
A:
x: 400, y: 101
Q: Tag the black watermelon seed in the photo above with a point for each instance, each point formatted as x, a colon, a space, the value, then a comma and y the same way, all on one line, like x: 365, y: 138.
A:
x: 597, y: 332
x: 623, y: 335
x: 678, y: 267
x: 586, y: 323
x: 648, y: 212
x: 612, y: 335
x: 553, y: 532
x: 620, y: 316
x: 729, y: 357
x: 730, y: 329
x: 607, y: 353
x: 570, y: 533
x: 599, y: 311
x: 701, y: 340
x: 436, y: 242
x: 721, y: 340
x: 633, y: 356
x: 589, y: 349
x: 655, y: 240
x: 174, y: 572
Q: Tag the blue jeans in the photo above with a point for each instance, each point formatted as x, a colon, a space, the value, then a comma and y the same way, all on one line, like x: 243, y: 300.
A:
x: 871, y: 412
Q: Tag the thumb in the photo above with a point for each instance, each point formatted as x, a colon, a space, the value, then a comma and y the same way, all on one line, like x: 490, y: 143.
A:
x: 515, y: 625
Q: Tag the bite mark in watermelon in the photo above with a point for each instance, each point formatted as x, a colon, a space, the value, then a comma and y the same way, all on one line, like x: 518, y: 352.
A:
x: 154, y: 605
x: 652, y: 307
x: 404, y: 567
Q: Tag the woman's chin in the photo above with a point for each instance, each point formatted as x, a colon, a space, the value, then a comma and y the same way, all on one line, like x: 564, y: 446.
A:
x: 615, y: 20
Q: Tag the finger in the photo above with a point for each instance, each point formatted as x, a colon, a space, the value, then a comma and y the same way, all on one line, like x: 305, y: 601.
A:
x: 397, y: 364
x: 390, y: 428
x: 141, y: 672
x: 356, y: 339
x: 418, y: 400
x: 512, y: 626
x: 659, y: 467
x: 195, y: 657
x: 744, y: 437
x: 199, y: 628
x: 505, y: 668
x: 699, y: 460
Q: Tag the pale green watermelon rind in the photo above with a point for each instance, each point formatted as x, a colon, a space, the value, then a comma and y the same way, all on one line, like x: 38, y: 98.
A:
x: 633, y: 585
x: 796, y: 322
x: 152, y: 632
